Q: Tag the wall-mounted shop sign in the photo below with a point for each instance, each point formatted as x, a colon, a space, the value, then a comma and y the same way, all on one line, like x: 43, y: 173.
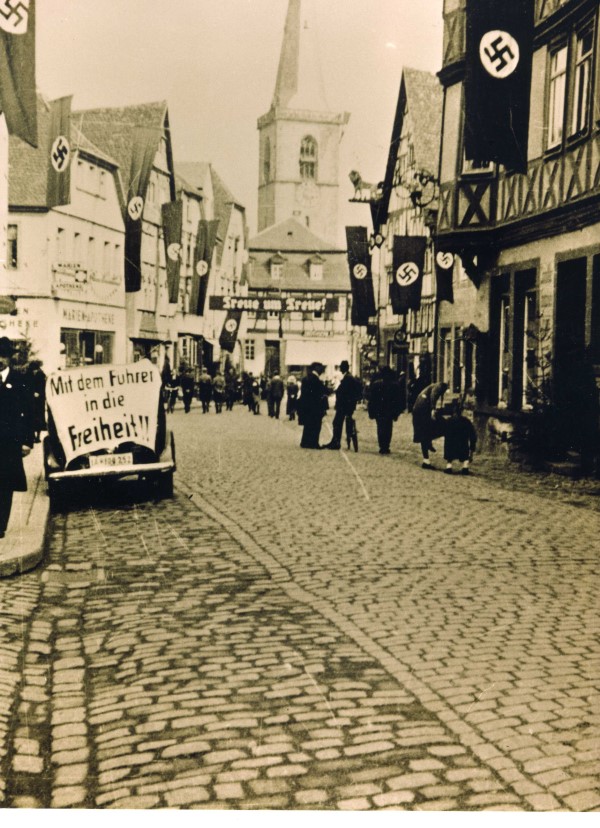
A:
x: 285, y: 304
x: 89, y: 317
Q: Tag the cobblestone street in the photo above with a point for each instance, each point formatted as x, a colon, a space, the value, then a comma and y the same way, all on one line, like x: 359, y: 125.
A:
x: 309, y: 630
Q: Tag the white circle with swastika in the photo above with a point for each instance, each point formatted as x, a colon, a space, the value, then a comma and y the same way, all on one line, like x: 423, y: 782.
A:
x: 60, y: 154
x: 230, y: 325
x: 407, y: 273
x: 135, y: 208
x: 360, y: 271
x: 201, y: 267
x: 445, y: 260
x: 499, y: 53
x: 14, y: 16
x: 174, y: 251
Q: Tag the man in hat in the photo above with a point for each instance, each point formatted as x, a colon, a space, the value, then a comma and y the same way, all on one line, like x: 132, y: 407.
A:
x: 347, y: 394
x: 16, y: 431
x: 312, y: 405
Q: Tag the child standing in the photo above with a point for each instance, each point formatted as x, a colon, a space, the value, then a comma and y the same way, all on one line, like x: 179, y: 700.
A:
x: 460, y: 440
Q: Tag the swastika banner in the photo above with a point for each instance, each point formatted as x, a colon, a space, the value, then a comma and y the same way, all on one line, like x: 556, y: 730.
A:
x: 202, y: 260
x: 58, y: 185
x: 172, y: 220
x: 444, y: 272
x: 144, y: 149
x: 406, y: 282
x: 18, y: 99
x: 361, y: 278
x: 229, y: 332
x: 499, y: 48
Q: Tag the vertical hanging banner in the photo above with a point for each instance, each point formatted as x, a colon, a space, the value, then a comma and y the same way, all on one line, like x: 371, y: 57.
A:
x: 229, y: 332
x: 203, y: 253
x: 143, y: 152
x: 444, y: 271
x: 172, y: 221
x: 18, y: 98
x: 499, y: 51
x: 361, y: 278
x: 407, y: 276
x: 58, y: 185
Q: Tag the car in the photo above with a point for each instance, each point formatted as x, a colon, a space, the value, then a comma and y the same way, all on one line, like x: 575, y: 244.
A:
x: 106, y: 423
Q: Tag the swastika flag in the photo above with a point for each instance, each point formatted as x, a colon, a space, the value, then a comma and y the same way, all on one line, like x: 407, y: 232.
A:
x: 499, y: 49
x: 229, y: 332
x: 202, y: 260
x: 145, y: 145
x: 361, y: 279
x: 406, y: 281
x: 18, y: 98
x: 444, y: 271
x: 172, y: 220
x: 58, y: 185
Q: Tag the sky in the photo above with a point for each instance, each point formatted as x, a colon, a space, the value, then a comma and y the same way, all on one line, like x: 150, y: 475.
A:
x: 215, y: 63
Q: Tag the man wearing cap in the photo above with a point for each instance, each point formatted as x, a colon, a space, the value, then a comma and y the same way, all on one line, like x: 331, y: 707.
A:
x: 312, y: 405
x: 16, y: 432
x: 347, y: 394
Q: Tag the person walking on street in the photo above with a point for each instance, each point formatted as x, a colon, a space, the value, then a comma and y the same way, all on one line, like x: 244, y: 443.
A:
x: 427, y: 425
x: 312, y: 406
x: 218, y: 391
x: 230, y: 390
x: 256, y: 394
x: 16, y: 431
x: 291, y: 391
x: 37, y: 381
x: 171, y: 390
x: 205, y: 390
x: 186, y: 383
x: 275, y: 392
x: 386, y: 403
x: 460, y: 440
x: 347, y: 395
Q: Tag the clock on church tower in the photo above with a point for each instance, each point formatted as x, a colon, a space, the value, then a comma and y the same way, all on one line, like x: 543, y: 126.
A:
x: 307, y: 194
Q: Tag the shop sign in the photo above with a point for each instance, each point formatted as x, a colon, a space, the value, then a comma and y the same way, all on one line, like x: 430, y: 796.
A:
x: 89, y: 317
x: 101, y: 406
x: 284, y: 304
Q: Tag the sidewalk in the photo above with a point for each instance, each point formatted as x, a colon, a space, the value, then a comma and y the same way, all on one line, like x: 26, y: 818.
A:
x: 23, y: 546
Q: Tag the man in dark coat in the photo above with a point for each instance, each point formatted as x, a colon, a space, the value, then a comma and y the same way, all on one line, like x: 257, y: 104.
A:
x: 275, y: 395
x: 460, y: 440
x: 205, y: 390
x: 187, y: 385
x: 347, y: 395
x: 426, y: 425
x: 311, y: 406
x: 386, y: 403
x: 16, y: 431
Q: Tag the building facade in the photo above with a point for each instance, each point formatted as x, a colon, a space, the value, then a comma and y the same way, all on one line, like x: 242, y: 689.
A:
x: 530, y: 242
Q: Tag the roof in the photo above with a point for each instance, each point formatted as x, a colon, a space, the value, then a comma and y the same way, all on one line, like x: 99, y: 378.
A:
x: 290, y: 235
x: 113, y: 129
x: 298, y: 246
x: 422, y: 96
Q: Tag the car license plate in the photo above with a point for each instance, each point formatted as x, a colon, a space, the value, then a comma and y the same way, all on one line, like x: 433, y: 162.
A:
x: 111, y: 459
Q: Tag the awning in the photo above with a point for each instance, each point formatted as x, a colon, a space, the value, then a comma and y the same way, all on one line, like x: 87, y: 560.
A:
x: 304, y: 351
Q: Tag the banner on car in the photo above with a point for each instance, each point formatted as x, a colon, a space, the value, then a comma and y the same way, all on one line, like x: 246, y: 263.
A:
x: 99, y: 407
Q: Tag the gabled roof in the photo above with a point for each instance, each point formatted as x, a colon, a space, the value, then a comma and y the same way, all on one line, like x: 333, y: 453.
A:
x: 421, y: 95
x: 113, y: 129
x: 293, y: 236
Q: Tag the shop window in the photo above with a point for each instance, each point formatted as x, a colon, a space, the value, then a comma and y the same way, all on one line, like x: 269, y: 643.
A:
x: 12, y: 258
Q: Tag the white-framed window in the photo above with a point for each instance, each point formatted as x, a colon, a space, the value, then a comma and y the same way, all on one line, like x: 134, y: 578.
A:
x: 557, y: 92
x: 249, y: 348
x: 584, y: 45
x: 12, y: 253
x: 276, y: 270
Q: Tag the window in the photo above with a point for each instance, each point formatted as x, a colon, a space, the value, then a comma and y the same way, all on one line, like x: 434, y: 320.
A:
x: 583, y: 72
x: 267, y: 162
x: 477, y: 167
x: 316, y: 272
x: 276, y: 270
x: 249, y: 349
x: 308, y: 159
x: 556, y: 103
x: 530, y: 337
x: 13, y: 247
x: 504, y: 364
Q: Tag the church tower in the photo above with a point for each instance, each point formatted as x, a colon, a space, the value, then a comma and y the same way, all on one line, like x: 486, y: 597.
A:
x: 299, y: 137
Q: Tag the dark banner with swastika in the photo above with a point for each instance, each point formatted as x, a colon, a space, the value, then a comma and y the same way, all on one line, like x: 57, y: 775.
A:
x: 407, y: 273
x: 361, y: 279
x: 444, y: 272
x: 202, y: 260
x: 499, y: 49
x: 60, y: 153
x: 229, y: 332
x: 18, y: 98
x: 144, y: 149
x: 172, y: 220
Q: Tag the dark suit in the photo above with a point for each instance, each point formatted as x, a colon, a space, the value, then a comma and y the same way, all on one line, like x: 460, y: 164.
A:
x: 347, y: 394
x: 311, y: 408
x: 16, y: 430
x: 386, y: 403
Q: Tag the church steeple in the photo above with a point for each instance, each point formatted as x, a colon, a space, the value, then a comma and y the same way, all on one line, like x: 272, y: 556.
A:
x: 299, y: 82
x: 300, y: 135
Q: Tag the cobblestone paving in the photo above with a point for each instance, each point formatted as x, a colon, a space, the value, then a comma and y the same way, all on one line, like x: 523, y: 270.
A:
x: 308, y: 630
